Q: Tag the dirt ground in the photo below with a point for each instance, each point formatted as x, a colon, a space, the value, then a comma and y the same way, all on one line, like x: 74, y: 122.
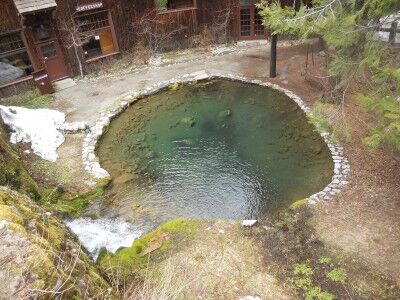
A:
x: 363, y: 221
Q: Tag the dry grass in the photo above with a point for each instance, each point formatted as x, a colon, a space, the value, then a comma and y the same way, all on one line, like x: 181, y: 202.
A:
x: 219, y: 262
x: 165, y: 285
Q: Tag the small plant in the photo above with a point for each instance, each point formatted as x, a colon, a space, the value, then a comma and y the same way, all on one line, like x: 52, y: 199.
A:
x: 320, y: 122
x: 302, y: 283
x: 337, y: 275
x: 162, y: 4
x: 317, y: 293
x: 325, y: 260
x: 303, y: 269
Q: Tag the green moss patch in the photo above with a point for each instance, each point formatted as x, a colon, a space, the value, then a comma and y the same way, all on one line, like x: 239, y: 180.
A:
x: 29, y: 99
x: 298, y: 204
x: 131, y: 261
x: 50, y: 254
x: 12, y: 170
x: 56, y: 201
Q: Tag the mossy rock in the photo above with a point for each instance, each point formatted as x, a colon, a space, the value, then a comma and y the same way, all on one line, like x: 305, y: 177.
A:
x: 174, y: 86
x: 132, y: 260
x: 225, y: 114
x: 188, y: 121
x: 74, y: 207
x: 12, y: 170
x: 47, y: 254
x: 298, y: 203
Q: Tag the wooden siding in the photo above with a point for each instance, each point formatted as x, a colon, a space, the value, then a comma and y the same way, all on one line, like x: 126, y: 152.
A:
x: 9, y: 19
x: 15, y: 88
x: 126, y: 14
x: 186, y: 18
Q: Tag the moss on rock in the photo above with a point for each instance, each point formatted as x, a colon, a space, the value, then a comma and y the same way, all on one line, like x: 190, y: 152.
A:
x: 298, y: 204
x: 133, y: 260
x: 56, y: 201
x: 44, y: 258
x: 12, y: 171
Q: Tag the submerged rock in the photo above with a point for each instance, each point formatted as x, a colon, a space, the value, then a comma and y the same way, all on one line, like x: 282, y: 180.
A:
x: 225, y: 113
x: 187, y: 142
x: 124, y: 178
x: 188, y: 121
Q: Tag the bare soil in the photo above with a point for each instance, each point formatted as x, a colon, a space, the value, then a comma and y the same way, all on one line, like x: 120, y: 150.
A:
x: 364, y: 219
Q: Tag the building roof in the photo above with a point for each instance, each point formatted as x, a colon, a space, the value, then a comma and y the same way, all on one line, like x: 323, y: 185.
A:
x: 27, y: 6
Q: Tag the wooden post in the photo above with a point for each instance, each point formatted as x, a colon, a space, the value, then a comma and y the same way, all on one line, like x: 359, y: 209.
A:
x: 272, y: 65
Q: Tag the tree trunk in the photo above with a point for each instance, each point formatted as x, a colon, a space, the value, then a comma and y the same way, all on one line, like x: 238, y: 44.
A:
x: 79, y: 60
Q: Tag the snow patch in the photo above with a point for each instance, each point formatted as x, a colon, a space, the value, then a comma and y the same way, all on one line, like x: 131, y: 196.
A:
x: 36, y: 126
x: 111, y: 234
x: 42, y: 128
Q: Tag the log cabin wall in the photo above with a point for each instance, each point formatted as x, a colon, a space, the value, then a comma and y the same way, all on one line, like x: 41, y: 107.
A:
x: 123, y: 13
x: 9, y: 19
x: 11, y: 23
x: 218, y: 17
x: 183, y: 22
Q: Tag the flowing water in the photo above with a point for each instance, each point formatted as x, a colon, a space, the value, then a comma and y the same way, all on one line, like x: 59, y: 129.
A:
x: 216, y: 149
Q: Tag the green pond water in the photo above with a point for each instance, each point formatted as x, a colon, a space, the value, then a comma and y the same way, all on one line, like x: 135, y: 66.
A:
x: 215, y: 149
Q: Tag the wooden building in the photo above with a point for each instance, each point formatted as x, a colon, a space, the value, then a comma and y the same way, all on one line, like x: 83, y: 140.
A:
x: 63, y: 37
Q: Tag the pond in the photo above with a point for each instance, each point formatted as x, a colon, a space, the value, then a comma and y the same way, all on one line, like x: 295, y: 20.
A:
x: 210, y: 150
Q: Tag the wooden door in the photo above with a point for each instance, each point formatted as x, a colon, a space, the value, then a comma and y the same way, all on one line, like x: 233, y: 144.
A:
x: 250, y: 24
x: 106, y: 42
x: 53, y: 59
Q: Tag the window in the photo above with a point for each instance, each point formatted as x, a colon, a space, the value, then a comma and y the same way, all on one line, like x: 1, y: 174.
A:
x: 11, y: 42
x: 96, y: 35
x: 14, y: 58
x: 49, y: 50
x: 175, y: 4
x: 93, y: 21
x: 245, y: 22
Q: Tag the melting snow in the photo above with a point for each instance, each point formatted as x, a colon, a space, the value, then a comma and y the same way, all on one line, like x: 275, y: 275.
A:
x: 111, y: 234
x: 39, y: 127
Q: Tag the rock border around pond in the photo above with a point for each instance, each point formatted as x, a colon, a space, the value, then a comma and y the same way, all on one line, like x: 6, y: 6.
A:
x: 92, y: 164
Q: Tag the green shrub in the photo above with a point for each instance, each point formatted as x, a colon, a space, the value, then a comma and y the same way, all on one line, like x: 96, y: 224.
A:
x: 337, y: 275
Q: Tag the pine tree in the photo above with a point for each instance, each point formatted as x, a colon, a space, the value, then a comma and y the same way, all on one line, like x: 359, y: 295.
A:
x: 349, y: 29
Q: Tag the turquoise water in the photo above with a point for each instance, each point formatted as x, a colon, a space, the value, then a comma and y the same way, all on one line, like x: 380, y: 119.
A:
x: 217, y: 149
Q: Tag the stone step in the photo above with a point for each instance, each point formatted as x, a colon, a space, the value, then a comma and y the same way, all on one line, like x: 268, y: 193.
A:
x: 63, y: 84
